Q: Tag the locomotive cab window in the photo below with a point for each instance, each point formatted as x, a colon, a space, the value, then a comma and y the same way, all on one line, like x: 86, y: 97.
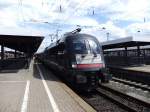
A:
x: 94, y: 47
x: 79, y: 47
x: 84, y: 46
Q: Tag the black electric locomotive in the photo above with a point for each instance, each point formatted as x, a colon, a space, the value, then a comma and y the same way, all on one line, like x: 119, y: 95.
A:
x: 78, y: 58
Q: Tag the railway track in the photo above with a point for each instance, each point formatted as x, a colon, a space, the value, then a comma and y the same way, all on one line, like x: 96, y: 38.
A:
x: 120, y: 96
x: 107, y: 94
x: 126, y: 101
x: 100, y: 103
x: 131, y: 83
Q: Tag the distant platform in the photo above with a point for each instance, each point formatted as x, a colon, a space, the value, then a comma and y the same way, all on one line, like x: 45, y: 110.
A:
x: 141, y: 68
x: 139, y: 74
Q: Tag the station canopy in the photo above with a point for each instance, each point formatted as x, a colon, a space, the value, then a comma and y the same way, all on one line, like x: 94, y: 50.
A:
x: 26, y: 44
x: 126, y: 42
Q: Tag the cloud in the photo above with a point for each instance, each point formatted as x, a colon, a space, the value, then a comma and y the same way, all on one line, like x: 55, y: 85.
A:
x: 135, y: 28
x: 101, y: 33
x: 45, y: 16
x: 21, y: 31
x: 132, y: 10
x: 7, y: 18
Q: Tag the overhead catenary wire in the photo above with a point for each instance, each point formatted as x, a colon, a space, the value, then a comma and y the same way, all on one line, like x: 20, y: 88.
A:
x: 74, y: 12
x: 76, y: 9
x: 20, y: 6
x: 70, y: 15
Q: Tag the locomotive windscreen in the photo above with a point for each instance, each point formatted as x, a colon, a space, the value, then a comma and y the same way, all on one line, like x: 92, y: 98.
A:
x: 85, y: 46
x: 80, y: 46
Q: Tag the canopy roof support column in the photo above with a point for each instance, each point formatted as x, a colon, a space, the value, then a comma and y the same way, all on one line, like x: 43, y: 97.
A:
x: 15, y: 55
x: 126, y: 56
x: 2, y: 52
x: 140, y: 58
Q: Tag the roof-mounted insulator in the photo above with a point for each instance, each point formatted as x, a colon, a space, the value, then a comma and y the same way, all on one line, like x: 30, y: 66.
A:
x: 76, y: 30
x: 73, y: 32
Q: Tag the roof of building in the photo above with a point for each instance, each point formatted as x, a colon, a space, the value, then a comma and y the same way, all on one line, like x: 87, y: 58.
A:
x: 27, y: 44
x: 126, y: 42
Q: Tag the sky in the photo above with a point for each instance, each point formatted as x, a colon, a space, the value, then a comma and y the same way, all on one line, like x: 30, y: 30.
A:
x: 119, y: 18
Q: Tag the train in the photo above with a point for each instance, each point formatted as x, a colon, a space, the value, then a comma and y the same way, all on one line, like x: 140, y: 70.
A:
x: 78, y: 58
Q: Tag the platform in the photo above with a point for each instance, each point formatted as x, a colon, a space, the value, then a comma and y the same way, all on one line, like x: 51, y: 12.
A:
x: 37, y: 90
x: 141, y: 68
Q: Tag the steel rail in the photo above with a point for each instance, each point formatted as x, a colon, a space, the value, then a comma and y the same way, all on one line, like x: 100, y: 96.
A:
x: 121, y: 95
x: 143, y: 87
x: 114, y: 100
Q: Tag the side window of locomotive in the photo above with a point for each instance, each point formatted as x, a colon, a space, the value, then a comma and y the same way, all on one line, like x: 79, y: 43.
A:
x: 60, y: 52
x: 79, y: 47
x: 94, y: 47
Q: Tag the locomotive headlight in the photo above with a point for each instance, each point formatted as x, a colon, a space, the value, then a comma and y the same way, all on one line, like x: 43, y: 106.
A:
x: 78, y: 58
x: 81, y: 79
x: 74, y: 66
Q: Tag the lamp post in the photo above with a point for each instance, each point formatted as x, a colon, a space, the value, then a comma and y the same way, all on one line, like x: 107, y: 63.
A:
x: 103, y: 28
x: 107, y: 34
x: 138, y: 31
